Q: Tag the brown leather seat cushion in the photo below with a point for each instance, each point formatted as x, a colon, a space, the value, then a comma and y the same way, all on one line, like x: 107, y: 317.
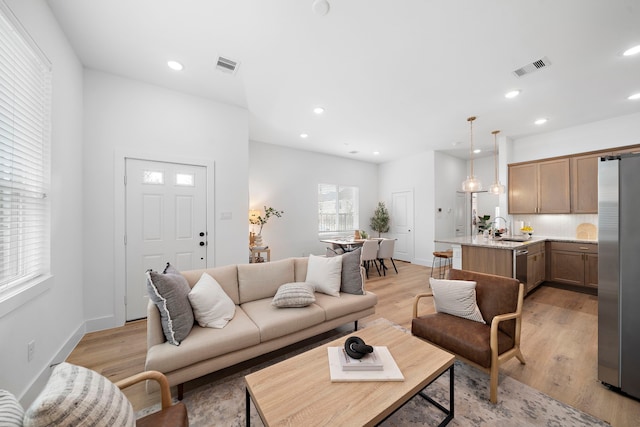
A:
x: 175, y: 416
x: 466, y: 338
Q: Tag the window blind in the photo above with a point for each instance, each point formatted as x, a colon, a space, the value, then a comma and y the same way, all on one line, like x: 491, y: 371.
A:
x: 25, y: 92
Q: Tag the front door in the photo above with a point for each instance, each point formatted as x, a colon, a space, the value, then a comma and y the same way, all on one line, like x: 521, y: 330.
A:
x: 166, y: 216
x: 402, y: 224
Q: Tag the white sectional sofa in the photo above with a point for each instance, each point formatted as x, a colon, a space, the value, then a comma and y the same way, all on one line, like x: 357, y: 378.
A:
x: 257, y: 326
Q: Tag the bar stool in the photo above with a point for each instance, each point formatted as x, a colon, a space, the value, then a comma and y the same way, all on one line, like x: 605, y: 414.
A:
x: 445, y: 259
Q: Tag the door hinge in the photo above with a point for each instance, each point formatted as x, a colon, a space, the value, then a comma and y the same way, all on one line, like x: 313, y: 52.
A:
x: 125, y: 180
x: 125, y: 240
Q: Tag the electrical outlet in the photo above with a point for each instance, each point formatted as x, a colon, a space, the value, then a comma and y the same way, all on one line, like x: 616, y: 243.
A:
x: 31, y: 348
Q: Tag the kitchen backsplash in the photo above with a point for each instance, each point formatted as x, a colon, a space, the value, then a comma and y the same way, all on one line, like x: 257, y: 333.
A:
x: 556, y: 225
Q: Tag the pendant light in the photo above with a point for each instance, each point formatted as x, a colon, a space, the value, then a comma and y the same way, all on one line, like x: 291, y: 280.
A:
x: 496, y: 187
x: 471, y: 184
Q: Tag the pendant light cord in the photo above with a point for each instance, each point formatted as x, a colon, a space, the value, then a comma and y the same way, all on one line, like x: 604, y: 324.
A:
x: 470, y: 120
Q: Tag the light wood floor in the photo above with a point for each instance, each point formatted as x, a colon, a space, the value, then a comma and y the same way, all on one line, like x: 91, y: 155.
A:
x: 559, y: 342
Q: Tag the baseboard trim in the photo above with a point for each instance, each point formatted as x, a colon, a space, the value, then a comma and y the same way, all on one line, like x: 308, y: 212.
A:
x: 37, y: 385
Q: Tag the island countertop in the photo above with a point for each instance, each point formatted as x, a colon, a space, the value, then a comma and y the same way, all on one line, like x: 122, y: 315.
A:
x: 480, y: 241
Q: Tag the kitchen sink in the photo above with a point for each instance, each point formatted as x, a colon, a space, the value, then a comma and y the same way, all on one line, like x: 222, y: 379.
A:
x: 514, y: 238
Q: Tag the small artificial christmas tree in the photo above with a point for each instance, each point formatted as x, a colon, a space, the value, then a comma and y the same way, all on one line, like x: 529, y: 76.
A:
x: 380, y: 219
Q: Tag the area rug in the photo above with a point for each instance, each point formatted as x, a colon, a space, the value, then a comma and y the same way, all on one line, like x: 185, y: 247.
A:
x: 222, y: 402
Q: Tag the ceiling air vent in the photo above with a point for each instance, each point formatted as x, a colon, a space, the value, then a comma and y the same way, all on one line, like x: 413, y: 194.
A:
x: 534, y: 66
x: 227, y: 65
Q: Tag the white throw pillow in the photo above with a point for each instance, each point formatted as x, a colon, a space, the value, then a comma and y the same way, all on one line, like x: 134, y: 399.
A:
x: 77, y: 396
x: 212, y: 307
x: 325, y: 274
x: 456, y: 297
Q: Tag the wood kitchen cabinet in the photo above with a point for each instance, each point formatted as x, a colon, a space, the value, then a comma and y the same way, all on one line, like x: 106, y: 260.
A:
x: 540, y: 187
x: 584, y: 184
x: 536, y: 265
x: 488, y: 260
x: 574, y: 263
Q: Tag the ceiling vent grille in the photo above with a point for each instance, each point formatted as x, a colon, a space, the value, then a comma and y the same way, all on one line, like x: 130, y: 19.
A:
x: 534, y: 66
x: 226, y: 65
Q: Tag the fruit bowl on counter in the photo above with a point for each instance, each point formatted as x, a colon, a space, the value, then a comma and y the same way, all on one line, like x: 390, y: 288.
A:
x: 527, y: 231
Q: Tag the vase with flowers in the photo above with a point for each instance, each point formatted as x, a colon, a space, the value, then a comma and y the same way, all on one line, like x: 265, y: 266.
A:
x: 255, y: 218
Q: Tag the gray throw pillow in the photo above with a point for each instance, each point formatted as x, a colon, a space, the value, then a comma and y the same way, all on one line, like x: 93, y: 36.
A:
x: 296, y: 294
x: 352, y: 279
x: 169, y: 291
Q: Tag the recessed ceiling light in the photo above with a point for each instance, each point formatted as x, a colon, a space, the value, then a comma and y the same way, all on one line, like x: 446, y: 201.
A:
x: 376, y: 153
x: 318, y: 110
x: 512, y: 94
x: 304, y: 135
x: 477, y: 150
x: 540, y: 121
x: 632, y: 51
x: 175, y: 65
x: 634, y: 96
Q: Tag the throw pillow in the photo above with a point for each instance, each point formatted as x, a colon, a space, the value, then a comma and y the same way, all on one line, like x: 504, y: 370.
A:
x: 212, y: 307
x: 11, y: 412
x: 456, y: 297
x: 77, y: 396
x: 352, y: 273
x: 297, y: 294
x: 325, y: 274
x: 169, y: 291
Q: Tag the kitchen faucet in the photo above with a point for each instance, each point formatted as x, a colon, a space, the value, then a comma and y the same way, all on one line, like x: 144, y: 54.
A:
x: 494, y: 225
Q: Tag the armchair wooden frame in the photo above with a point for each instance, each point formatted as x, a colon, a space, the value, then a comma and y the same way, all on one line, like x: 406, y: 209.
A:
x: 179, y: 411
x: 496, y: 359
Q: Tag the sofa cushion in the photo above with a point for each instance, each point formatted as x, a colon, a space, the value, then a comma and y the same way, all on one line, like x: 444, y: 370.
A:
x: 300, y: 266
x: 262, y: 280
x: 169, y: 291
x: 212, y: 307
x: 296, y: 294
x: 226, y: 276
x: 456, y: 297
x: 77, y: 396
x: 353, y: 274
x: 346, y: 304
x: 274, y: 322
x: 463, y: 337
x: 204, y: 344
x: 325, y: 274
x: 11, y: 412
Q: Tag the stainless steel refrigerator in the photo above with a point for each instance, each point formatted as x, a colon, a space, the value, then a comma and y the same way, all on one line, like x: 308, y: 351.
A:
x: 619, y: 272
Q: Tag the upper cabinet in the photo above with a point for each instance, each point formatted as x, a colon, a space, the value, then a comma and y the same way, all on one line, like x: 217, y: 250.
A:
x: 584, y: 184
x: 558, y: 186
x: 540, y: 187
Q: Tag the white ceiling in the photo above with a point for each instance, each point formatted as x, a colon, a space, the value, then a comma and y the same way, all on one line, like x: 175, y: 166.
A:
x: 396, y: 76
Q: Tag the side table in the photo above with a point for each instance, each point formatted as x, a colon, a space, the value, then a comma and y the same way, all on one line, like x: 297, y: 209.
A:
x: 255, y: 254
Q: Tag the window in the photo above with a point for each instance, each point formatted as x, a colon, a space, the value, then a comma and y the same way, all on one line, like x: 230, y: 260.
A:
x: 337, y: 208
x: 25, y: 88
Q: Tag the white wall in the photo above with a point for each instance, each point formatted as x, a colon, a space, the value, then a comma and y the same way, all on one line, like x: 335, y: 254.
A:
x: 124, y: 118
x: 54, y: 319
x: 449, y: 172
x: 414, y: 173
x: 615, y: 132
x: 287, y: 179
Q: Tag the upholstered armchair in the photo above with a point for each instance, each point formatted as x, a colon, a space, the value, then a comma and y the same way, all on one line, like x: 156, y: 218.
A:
x: 484, y: 345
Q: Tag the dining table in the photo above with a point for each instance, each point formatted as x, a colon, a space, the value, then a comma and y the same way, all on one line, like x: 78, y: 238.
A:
x: 347, y: 245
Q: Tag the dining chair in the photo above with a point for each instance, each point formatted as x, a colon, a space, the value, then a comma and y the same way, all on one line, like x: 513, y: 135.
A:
x: 369, y: 253
x: 385, y: 251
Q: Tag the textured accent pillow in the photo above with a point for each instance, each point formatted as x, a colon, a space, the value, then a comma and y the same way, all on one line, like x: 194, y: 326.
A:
x: 76, y: 396
x: 456, y: 297
x: 297, y: 294
x: 352, y: 273
x: 324, y: 274
x: 212, y: 307
x: 170, y: 293
x: 11, y: 412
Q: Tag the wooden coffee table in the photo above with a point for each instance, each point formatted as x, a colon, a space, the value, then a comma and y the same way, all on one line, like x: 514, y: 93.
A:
x: 299, y: 392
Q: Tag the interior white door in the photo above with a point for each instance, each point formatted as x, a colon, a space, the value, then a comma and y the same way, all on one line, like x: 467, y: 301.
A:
x: 402, y: 224
x: 462, y: 214
x: 166, y: 221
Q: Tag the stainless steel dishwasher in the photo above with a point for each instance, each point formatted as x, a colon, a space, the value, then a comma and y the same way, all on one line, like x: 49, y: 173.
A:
x: 520, y: 265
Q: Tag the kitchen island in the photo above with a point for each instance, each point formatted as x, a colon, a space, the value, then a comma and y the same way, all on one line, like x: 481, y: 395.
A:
x: 525, y: 260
